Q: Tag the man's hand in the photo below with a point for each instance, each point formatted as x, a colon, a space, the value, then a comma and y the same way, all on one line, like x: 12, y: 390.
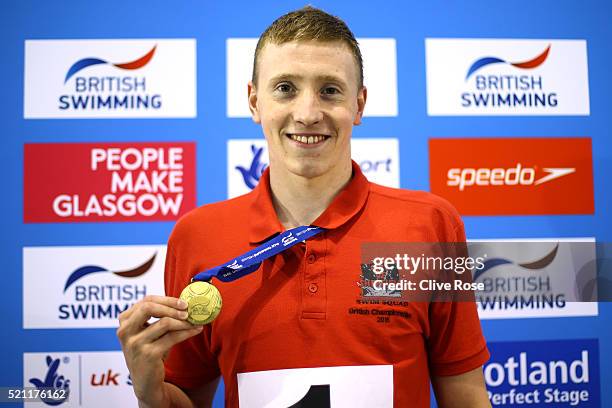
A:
x: 146, y: 345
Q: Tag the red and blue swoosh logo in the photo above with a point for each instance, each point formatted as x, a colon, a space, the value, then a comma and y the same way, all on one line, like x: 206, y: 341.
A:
x: 89, y: 269
x: 530, y: 64
x: 538, y: 264
x: 88, y: 62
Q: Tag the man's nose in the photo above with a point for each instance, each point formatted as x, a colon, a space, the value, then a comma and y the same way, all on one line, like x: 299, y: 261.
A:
x: 307, y: 109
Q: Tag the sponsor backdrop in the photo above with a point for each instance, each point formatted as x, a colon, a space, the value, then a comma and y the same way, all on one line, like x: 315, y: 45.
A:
x: 118, y: 118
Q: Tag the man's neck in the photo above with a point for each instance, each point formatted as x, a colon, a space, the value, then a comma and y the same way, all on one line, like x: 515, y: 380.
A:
x: 299, y: 200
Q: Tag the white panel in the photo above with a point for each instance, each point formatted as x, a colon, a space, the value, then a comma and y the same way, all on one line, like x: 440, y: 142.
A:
x: 167, y: 81
x: 93, y: 379
x: 379, y: 66
x: 569, y: 269
x: 52, y: 301
x: 247, y: 158
x: 561, y: 80
x: 283, y: 388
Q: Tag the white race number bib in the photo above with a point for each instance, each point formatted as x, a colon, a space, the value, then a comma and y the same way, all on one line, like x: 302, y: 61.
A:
x: 319, y: 387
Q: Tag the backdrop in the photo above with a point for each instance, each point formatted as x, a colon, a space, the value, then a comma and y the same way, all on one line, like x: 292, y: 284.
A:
x: 118, y: 117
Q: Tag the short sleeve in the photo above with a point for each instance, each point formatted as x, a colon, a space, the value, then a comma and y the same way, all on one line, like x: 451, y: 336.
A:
x: 456, y: 344
x: 189, y: 364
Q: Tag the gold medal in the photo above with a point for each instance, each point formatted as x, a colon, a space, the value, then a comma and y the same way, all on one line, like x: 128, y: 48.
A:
x: 204, y: 302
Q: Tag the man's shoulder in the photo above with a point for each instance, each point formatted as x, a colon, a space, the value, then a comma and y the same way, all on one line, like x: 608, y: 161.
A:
x: 218, y: 208
x: 414, y: 202
x: 417, y: 198
x: 213, y: 218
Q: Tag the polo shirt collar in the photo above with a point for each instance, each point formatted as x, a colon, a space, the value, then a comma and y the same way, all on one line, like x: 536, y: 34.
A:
x: 264, y: 222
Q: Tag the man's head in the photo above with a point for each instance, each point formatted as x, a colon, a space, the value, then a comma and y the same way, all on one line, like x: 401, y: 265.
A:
x: 309, y: 24
x: 307, y: 93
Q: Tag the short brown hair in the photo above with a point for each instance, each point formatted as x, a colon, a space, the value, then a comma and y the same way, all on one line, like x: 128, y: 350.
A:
x: 308, y: 24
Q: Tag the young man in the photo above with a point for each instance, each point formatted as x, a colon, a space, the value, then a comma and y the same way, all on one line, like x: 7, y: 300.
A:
x: 286, y: 336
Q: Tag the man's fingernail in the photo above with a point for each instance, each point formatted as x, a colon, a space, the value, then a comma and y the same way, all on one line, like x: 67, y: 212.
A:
x: 183, y: 315
x: 182, y: 304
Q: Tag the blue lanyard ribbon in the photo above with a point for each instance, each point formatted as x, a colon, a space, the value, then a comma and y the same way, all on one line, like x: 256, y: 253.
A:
x: 249, y: 262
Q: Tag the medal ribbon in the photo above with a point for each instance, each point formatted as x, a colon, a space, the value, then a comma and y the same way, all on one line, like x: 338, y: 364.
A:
x: 249, y: 262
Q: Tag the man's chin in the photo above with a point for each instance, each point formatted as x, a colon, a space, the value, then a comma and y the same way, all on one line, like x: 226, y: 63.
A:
x: 308, y: 170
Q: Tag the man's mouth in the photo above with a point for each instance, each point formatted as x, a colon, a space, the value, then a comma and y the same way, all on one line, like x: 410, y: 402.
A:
x: 307, y: 139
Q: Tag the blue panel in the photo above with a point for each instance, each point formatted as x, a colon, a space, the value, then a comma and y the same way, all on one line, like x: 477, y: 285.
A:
x: 211, y: 23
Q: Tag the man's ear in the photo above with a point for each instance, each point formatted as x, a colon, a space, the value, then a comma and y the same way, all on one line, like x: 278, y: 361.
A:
x: 253, y: 103
x: 362, y: 96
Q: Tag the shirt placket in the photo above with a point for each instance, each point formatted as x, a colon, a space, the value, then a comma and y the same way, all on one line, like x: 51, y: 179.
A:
x: 314, y: 290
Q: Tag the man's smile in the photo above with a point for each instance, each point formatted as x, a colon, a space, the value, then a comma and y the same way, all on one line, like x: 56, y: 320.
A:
x: 308, y: 138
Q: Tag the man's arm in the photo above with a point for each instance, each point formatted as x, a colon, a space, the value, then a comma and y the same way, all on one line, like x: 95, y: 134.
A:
x: 199, y: 397
x: 461, y: 391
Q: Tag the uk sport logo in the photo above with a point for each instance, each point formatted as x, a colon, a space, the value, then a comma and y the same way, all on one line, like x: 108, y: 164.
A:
x: 84, y: 379
x: 247, y: 159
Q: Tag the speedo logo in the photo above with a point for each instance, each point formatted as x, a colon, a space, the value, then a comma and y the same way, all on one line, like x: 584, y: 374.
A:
x: 513, y: 176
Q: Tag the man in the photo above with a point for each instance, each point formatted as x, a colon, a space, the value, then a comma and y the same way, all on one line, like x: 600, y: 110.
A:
x: 285, y: 336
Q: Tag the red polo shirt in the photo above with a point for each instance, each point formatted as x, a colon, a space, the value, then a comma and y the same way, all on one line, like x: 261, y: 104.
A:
x: 290, y: 329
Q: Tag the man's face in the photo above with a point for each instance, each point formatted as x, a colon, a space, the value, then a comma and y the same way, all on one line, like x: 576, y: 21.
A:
x: 307, y: 101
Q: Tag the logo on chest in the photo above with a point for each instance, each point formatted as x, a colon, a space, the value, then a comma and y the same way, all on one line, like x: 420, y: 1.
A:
x: 378, y: 302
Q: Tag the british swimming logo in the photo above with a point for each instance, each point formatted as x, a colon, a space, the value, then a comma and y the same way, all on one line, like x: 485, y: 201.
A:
x: 533, y: 265
x: 89, y: 269
x: 88, y: 62
x: 506, y: 77
x: 88, y: 286
x: 536, y: 278
x: 530, y: 64
x: 110, y: 78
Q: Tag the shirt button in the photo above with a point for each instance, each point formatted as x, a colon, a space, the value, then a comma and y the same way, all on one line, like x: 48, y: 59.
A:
x: 311, y: 258
x: 313, y: 288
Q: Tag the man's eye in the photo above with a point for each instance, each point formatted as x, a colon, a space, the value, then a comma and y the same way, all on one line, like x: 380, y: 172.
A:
x: 330, y: 90
x: 284, y: 88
